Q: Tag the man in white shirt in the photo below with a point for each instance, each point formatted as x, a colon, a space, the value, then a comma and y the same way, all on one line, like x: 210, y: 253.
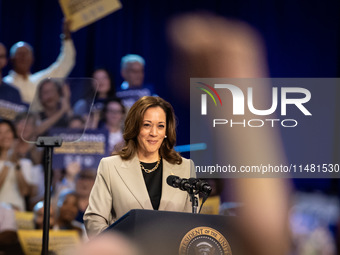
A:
x: 22, y: 58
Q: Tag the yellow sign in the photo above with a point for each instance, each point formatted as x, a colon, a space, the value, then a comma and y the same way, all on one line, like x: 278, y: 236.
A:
x: 211, y: 206
x: 24, y: 220
x: 204, y: 240
x: 85, y: 12
x: 9, y: 110
x: 60, y: 241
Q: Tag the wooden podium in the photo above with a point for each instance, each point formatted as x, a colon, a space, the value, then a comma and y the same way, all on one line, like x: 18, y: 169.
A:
x: 172, y: 233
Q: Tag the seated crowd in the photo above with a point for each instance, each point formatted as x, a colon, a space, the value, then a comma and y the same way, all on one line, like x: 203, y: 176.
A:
x: 52, y: 105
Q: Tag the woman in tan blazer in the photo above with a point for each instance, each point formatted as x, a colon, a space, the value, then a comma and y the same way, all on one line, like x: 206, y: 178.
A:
x: 135, y: 178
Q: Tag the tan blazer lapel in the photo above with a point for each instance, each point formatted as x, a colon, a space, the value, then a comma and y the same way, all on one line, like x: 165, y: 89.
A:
x: 167, y: 190
x: 132, y: 176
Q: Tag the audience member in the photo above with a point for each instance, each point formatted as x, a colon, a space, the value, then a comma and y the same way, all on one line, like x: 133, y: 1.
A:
x: 15, y: 173
x: 22, y: 58
x: 8, y: 226
x: 84, y: 184
x: 68, y: 181
x: 133, y: 87
x: 9, y: 243
x: 38, y: 211
x: 76, y: 122
x: 7, y: 92
x: 9, y: 96
x: 102, y: 88
x: 55, y: 100
x: 78, y: 180
x: 113, y: 119
x: 106, y: 85
x: 25, y: 124
x: 67, y: 212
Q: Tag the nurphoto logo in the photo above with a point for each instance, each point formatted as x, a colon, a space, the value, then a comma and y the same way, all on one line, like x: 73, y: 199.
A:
x: 294, y: 96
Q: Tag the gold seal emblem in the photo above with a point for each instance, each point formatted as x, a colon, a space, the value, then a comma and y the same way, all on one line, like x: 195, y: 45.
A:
x: 204, y: 241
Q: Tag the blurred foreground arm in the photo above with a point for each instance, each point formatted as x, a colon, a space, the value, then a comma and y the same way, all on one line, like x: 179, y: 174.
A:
x: 209, y: 46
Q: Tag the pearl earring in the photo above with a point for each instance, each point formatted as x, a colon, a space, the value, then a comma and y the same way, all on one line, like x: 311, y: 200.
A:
x: 165, y: 136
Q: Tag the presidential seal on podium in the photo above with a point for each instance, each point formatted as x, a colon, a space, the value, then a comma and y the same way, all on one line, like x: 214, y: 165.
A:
x: 204, y: 241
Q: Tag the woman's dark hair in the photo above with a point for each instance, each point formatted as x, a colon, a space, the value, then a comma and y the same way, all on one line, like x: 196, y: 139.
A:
x: 63, y: 195
x: 110, y: 100
x: 133, y: 124
x: 77, y: 117
x: 49, y: 80
x: 112, y: 91
x: 11, y: 126
x: 90, y: 91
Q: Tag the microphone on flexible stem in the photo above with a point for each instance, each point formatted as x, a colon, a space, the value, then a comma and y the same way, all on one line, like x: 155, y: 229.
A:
x: 193, y: 186
x: 176, y: 182
x: 200, y: 185
x: 183, y: 184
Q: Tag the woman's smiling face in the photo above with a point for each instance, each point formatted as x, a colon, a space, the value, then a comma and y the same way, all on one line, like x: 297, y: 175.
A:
x: 152, y: 132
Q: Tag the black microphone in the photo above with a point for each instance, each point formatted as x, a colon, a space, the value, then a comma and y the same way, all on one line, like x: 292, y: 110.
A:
x: 200, y: 185
x: 176, y: 182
